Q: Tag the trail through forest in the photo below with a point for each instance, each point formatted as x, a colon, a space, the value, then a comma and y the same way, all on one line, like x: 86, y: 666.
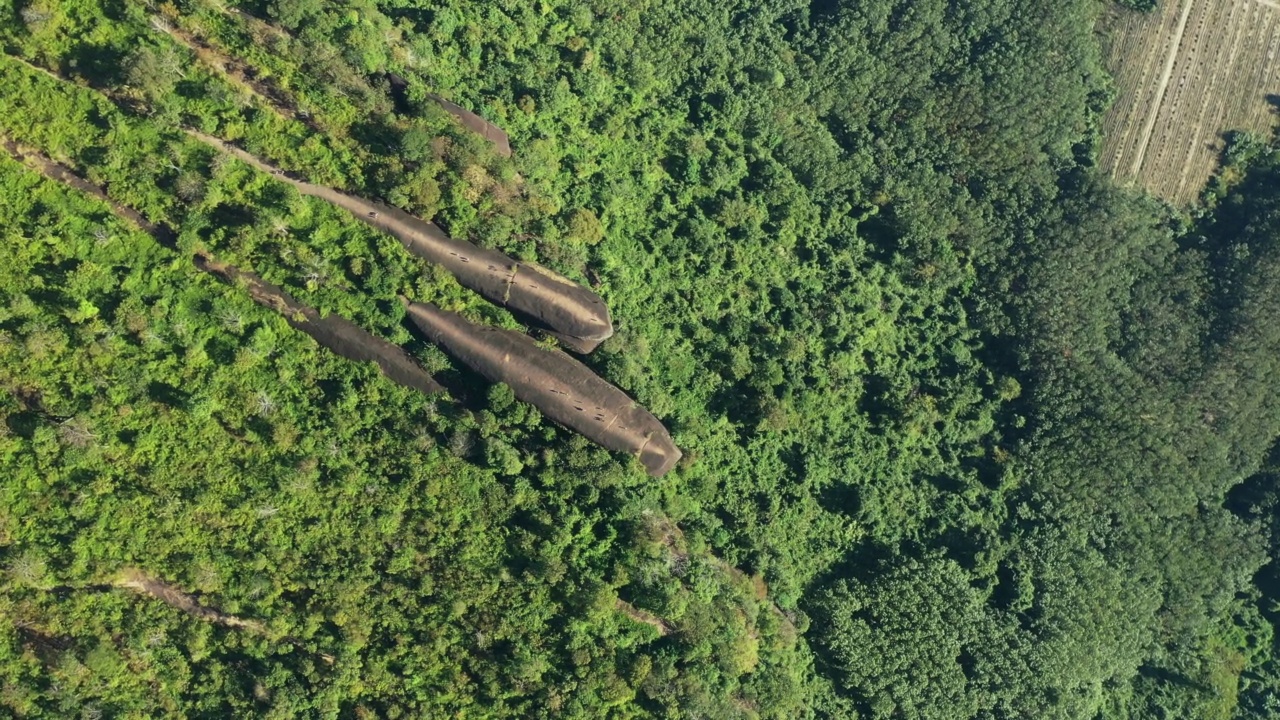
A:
x: 60, y: 173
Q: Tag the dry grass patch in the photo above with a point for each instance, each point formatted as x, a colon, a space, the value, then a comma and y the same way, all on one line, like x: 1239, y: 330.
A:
x: 1185, y: 75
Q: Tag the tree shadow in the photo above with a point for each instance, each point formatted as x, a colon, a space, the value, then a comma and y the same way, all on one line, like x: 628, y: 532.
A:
x: 397, y: 89
x: 23, y: 424
x: 230, y: 216
x: 99, y: 65
x: 377, y: 137
x: 1170, y: 677
x: 168, y: 395
x: 221, y: 350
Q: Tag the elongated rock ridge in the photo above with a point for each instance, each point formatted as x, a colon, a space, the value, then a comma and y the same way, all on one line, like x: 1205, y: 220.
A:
x: 343, y: 337
x: 562, y: 388
x: 58, y: 172
x: 570, y: 312
x: 477, y: 125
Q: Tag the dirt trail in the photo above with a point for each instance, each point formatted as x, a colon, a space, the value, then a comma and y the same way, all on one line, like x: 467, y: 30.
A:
x: 244, y: 74
x: 144, y: 584
x: 672, y: 536
x: 171, y: 596
x: 567, y: 309
x: 237, y: 72
x: 50, y: 647
x: 343, y: 337
x: 642, y: 616
x: 562, y: 388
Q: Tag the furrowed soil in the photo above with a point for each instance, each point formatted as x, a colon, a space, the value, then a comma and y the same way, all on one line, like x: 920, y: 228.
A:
x: 1186, y: 75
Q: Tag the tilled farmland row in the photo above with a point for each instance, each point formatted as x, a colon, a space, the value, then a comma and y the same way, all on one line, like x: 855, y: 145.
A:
x: 1145, y: 43
x: 1184, y: 77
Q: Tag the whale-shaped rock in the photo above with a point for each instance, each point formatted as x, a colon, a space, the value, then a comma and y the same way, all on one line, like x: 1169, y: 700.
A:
x: 560, y: 387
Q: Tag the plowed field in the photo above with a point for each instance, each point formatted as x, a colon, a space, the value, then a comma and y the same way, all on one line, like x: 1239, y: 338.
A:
x: 1185, y: 75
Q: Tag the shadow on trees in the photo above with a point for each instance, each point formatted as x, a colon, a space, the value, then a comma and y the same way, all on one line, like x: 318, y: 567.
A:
x: 23, y: 424
x: 230, y: 216
x: 397, y: 88
x: 168, y: 395
x: 881, y: 233
x: 1169, y: 677
x: 99, y: 65
x: 377, y: 137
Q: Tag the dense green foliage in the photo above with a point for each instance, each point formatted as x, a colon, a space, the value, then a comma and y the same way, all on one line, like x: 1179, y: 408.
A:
x: 959, y: 417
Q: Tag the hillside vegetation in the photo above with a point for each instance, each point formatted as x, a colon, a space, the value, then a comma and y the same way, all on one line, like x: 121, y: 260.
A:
x: 966, y: 430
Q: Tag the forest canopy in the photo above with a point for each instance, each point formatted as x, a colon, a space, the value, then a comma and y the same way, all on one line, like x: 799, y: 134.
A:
x: 968, y: 431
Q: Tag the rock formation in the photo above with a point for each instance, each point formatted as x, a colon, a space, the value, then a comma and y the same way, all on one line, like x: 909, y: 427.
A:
x: 343, y: 337
x: 562, y: 388
x: 570, y: 312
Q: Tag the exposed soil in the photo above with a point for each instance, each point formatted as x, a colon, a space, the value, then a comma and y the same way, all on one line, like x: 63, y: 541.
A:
x: 343, y: 337
x: 1144, y: 139
x: 245, y: 76
x: 49, y: 647
x: 664, y: 530
x: 1186, y: 74
x: 171, y: 596
x: 562, y: 388
x: 566, y: 309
